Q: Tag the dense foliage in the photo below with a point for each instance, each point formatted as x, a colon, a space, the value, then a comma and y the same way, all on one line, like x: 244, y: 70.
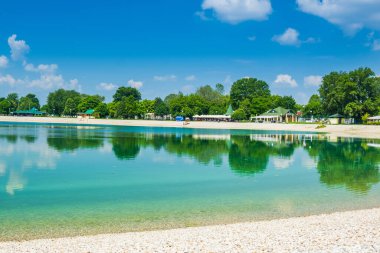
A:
x: 354, y: 94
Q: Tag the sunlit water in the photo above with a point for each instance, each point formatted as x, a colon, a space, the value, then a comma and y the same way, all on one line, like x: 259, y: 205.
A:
x: 58, y: 180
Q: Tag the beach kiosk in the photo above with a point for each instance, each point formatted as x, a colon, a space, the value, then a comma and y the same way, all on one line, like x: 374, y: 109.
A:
x: 32, y: 112
x: 89, y: 114
x: 374, y: 120
x: 336, y: 119
x: 276, y: 115
x: 225, y: 117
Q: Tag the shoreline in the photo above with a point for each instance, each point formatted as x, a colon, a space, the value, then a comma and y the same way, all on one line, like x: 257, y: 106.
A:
x: 351, y: 231
x: 359, y: 131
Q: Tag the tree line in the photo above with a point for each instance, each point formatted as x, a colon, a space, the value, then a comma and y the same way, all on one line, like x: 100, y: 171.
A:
x: 354, y: 94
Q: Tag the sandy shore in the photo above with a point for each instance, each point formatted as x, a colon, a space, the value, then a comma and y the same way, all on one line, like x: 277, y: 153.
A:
x: 354, y: 231
x: 362, y: 131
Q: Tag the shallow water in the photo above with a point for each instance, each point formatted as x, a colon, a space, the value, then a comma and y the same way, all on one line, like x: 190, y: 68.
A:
x: 59, y: 180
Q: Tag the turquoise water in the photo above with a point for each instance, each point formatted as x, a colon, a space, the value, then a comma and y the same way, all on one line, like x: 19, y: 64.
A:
x: 58, y: 180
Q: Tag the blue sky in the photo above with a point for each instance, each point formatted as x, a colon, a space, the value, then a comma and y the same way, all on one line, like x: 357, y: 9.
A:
x: 168, y: 46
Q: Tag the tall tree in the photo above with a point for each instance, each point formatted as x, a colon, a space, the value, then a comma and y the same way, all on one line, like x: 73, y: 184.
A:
x: 248, y: 88
x: 56, y: 100
x: 13, y: 99
x: 90, y: 102
x: 353, y: 93
x: 160, y: 108
x: 313, y: 107
x: 28, y: 102
x: 126, y: 92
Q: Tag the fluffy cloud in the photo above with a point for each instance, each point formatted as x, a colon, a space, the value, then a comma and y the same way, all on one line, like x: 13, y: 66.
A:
x: 236, y: 11
x: 107, y: 86
x: 190, y: 78
x: 350, y: 15
x: 312, y: 81
x: 135, y: 84
x: 286, y: 80
x: 18, y: 47
x: 42, y: 68
x: 289, y: 38
x: 3, y: 61
x: 10, y: 80
x: 165, y: 78
x: 48, y: 81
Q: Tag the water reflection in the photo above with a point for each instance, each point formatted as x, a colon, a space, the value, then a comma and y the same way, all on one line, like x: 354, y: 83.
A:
x: 349, y: 163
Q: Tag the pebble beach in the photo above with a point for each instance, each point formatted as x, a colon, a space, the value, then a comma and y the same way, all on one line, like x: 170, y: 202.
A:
x: 352, y: 231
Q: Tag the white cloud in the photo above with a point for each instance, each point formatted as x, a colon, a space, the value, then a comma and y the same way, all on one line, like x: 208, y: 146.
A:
x: 3, y: 61
x: 48, y: 81
x: 10, y: 80
x: 107, y: 86
x: 42, y: 68
x: 236, y: 11
x: 165, y: 78
x: 18, y: 47
x: 350, y: 15
x: 286, y: 80
x: 289, y: 38
x: 312, y: 81
x: 135, y: 84
x: 191, y: 78
x: 252, y: 38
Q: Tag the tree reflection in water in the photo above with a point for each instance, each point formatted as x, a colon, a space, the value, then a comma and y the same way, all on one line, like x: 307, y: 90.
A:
x: 350, y: 163
x: 342, y: 162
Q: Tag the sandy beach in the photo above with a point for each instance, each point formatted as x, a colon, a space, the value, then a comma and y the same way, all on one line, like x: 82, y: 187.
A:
x: 362, y: 131
x: 353, y: 231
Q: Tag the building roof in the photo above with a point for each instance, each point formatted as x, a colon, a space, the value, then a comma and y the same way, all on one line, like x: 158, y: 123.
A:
x: 88, y: 112
x: 230, y: 111
x: 279, y: 111
x: 33, y: 111
x: 337, y: 115
x: 374, y: 118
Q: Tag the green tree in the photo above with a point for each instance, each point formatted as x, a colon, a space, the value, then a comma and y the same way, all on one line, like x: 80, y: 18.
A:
x: 313, y: 107
x: 146, y: 106
x: 56, y: 100
x: 70, y: 107
x: 5, y: 106
x: 28, y: 102
x: 102, y: 110
x: 239, y: 115
x: 351, y: 93
x: 160, y: 108
x: 90, y: 102
x: 219, y: 88
x: 248, y: 88
x: 287, y: 102
x: 126, y: 92
x: 13, y: 99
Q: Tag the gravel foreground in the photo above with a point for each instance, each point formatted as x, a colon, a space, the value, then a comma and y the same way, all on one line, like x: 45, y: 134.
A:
x: 354, y: 231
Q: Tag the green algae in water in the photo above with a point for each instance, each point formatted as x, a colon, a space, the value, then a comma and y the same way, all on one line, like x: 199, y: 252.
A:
x: 58, y: 180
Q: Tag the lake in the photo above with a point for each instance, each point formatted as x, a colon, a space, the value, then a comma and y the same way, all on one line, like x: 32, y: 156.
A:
x: 61, y: 180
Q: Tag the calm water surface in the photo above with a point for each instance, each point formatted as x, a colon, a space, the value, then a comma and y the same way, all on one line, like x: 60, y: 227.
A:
x: 58, y: 180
